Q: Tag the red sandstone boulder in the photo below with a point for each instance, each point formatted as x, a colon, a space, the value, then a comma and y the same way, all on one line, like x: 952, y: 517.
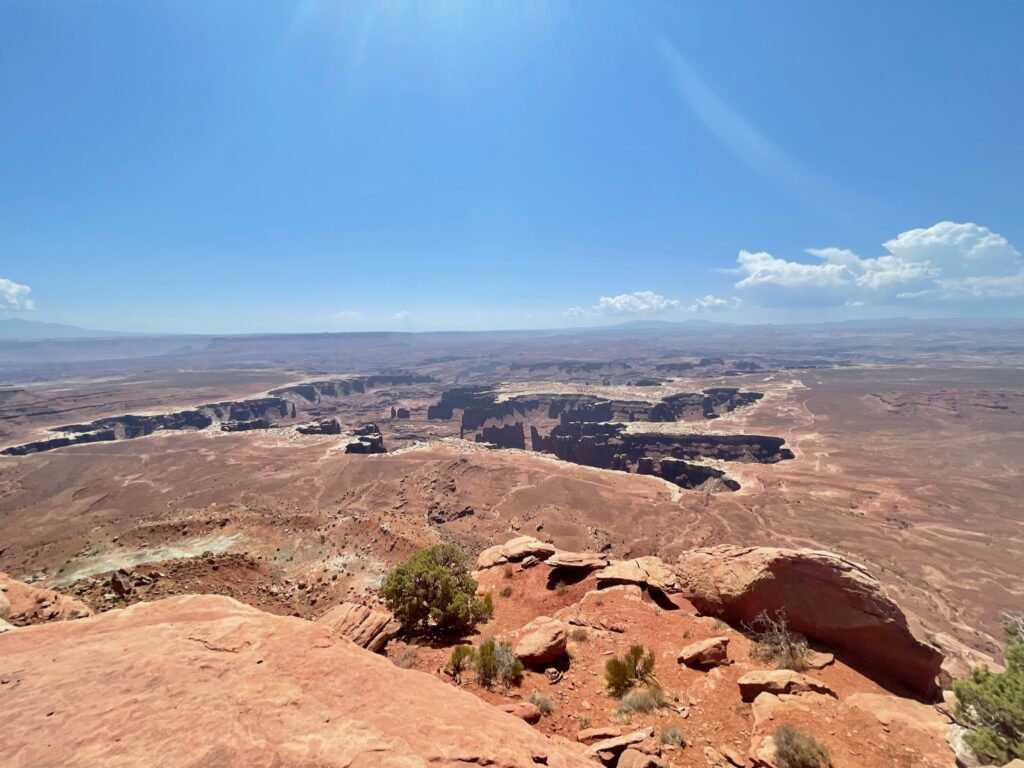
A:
x: 366, y: 627
x: 203, y: 680
x: 825, y: 596
x: 705, y: 653
x: 542, y: 642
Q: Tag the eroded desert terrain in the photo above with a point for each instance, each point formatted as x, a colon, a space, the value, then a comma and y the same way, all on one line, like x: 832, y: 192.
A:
x: 900, y: 453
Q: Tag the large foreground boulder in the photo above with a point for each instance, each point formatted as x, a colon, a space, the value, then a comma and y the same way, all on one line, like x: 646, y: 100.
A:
x: 542, y: 642
x: 823, y: 595
x: 203, y: 680
x: 366, y: 627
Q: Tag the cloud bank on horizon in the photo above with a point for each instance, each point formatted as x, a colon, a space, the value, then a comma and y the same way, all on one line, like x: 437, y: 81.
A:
x: 948, y: 261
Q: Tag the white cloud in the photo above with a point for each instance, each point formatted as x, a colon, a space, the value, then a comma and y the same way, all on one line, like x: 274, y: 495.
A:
x: 575, y: 312
x: 947, y: 260
x: 711, y: 303
x: 952, y: 247
x: 402, y: 316
x: 636, y: 303
x: 14, y: 295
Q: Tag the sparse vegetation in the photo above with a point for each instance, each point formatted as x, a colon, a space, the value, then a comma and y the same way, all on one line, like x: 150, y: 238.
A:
x: 561, y: 587
x: 992, y: 703
x: 507, y: 573
x: 542, y: 702
x: 460, y: 660
x: 622, y: 674
x: 406, y: 658
x: 495, y: 661
x: 794, y: 749
x: 578, y: 635
x: 642, y: 700
x: 774, y: 643
x: 672, y: 736
x: 433, y: 590
x: 506, y: 591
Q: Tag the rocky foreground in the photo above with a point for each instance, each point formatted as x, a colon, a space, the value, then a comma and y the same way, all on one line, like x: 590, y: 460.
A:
x: 203, y: 680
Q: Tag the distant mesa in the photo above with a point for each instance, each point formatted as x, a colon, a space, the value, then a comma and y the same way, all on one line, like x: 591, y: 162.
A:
x: 230, y: 416
x: 588, y: 430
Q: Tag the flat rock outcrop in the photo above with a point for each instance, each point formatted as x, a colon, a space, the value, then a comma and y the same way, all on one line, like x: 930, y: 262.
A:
x: 582, y: 560
x: 205, y: 680
x: 514, y: 550
x: 646, y: 571
x: 778, y: 681
x: 825, y: 596
x: 368, y: 628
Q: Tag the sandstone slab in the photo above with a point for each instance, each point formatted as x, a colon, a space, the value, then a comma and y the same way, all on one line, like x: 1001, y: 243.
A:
x: 203, y: 680
x: 647, y: 571
x: 618, y: 744
x: 777, y: 681
x: 368, y: 628
x: 514, y: 550
x: 577, y: 560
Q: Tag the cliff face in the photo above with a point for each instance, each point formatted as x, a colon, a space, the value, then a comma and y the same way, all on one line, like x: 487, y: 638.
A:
x: 591, y: 431
x: 317, y: 391
x: 235, y: 415
x: 230, y: 415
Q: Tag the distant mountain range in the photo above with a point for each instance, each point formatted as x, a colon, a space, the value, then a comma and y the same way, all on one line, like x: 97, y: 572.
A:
x: 15, y: 328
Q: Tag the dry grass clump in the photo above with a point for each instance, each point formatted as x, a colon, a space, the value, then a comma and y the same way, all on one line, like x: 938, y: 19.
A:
x: 406, y: 658
x: 774, y: 643
x: 673, y: 737
x: 794, y: 749
x: 578, y: 635
x: 541, y: 702
x: 640, y: 700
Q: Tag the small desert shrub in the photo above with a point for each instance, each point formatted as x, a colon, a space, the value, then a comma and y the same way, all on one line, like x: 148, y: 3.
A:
x: 773, y: 642
x: 794, y: 749
x: 459, y: 661
x: 433, y: 589
x: 585, y: 722
x: 494, y: 661
x: 644, y: 701
x: 992, y: 703
x: 673, y: 737
x: 506, y: 591
x: 541, y: 702
x: 507, y: 573
x: 406, y: 658
x: 561, y: 587
x: 578, y: 635
x: 621, y: 674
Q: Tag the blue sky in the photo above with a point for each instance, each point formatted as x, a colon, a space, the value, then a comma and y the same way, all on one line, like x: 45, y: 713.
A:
x: 272, y: 166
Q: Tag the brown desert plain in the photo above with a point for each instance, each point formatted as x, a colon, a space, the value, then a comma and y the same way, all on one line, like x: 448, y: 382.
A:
x: 900, y: 449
